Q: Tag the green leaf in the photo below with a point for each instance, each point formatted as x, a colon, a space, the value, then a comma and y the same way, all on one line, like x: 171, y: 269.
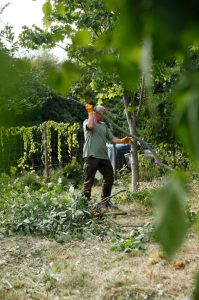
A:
x: 60, y: 9
x: 47, y: 8
x: 171, y: 224
x: 113, y: 4
x: 11, y: 72
x: 109, y: 64
x: 131, y: 109
x: 129, y: 74
x: 61, y: 77
x: 56, y: 37
x: 81, y: 38
x: 187, y: 114
x: 127, y: 29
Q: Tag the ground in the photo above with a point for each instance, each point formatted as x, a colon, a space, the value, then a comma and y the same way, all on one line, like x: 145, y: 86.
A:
x: 35, y: 268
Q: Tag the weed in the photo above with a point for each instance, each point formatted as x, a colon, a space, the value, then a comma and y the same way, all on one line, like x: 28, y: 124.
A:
x: 143, y: 197
x: 31, y: 180
x: 148, y: 169
x: 135, y: 241
x: 50, y: 275
x: 123, y: 177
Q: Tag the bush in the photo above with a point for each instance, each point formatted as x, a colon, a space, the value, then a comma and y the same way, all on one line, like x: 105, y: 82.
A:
x: 148, y: 169
x: 73, y: 173
x: 31, y: 179
x: 144, y: 197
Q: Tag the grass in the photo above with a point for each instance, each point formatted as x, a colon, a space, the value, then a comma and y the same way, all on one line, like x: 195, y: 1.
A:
x: 36, y: 268
x: 90, y: 270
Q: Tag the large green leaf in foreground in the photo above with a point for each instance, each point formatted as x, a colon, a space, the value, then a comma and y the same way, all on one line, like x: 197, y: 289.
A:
x: 187, y: 114
x: 171, y: 222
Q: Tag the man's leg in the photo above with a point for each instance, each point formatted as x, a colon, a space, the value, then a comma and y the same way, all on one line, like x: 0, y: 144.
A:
x: 106, y: 170
x: 90, y: 168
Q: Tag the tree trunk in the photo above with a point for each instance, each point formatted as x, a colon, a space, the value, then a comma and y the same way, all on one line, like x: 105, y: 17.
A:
x: 134, y: 162
x: 131, y: 118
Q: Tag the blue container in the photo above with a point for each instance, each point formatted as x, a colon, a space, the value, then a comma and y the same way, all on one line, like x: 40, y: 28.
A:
x: 121, y: 149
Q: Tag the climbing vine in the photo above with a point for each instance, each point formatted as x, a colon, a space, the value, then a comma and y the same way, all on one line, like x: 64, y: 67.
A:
x: 30, y: 146
x: 66, y: 135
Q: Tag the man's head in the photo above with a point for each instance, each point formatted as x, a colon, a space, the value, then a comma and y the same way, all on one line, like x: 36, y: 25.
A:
x: 99, y: 112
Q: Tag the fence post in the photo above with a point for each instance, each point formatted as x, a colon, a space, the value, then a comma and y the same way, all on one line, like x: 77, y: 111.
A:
x: 45, y: 143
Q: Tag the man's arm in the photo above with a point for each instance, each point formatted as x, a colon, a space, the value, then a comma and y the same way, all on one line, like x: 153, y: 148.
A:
x: 115, y: 140
x: 91, y: 122
x: 125, y: 140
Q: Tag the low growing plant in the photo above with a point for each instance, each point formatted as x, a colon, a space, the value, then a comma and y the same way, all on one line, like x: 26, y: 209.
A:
x: 135, y: 241
x: 47, y: 212
x: 31, y: 179
x: 143, y: 197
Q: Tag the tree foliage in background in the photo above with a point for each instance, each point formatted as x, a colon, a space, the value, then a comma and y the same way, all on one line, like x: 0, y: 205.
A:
x: 111, y: 45
x: 8, y: 43
x: 118, y: 38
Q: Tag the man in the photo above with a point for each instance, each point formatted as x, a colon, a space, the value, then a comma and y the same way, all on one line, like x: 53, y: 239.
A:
x: 95, y: 152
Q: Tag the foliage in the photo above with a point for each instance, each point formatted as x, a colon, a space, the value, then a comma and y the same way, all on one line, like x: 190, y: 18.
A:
x: 123, y: 176
x: 135, y: 241
x: 171, y: 224
x: 173, y: 155
x: 192, y: 216
x: 46, y: 212
x: 4, y: 181
x: 66, y: 138
x: 119, y: 37
x: 34, y: 102
x: 187, y: 111
x: 144, y: 197
x: 73, y: 173
x: 148, y: 169
x: 10, y: 71
x: 8, y: 43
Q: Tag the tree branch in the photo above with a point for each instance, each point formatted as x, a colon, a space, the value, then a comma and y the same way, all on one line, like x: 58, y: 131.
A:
x: 86, y: 64
x: 142, y: 142
x: 60, y: 46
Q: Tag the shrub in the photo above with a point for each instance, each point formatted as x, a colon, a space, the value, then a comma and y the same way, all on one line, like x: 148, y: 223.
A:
x: 31, y: 179
x: 73, y: 173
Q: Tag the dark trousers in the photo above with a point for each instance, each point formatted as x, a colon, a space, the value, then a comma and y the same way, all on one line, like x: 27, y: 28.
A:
x: 91, y: 165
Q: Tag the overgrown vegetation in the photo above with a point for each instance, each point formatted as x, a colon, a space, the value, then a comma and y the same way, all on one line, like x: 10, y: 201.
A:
x: 46, y: 226
x: 29, y: 205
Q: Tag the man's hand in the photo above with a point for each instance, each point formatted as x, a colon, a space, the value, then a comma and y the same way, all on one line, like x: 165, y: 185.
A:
x: 126, y: 140
x: 89, y: 108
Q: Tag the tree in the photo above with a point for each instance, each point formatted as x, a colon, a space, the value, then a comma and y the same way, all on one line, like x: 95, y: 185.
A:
x: 121, y: 44
x: 8, y: 43
x: 88, y: 23
x: 25, y: 94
